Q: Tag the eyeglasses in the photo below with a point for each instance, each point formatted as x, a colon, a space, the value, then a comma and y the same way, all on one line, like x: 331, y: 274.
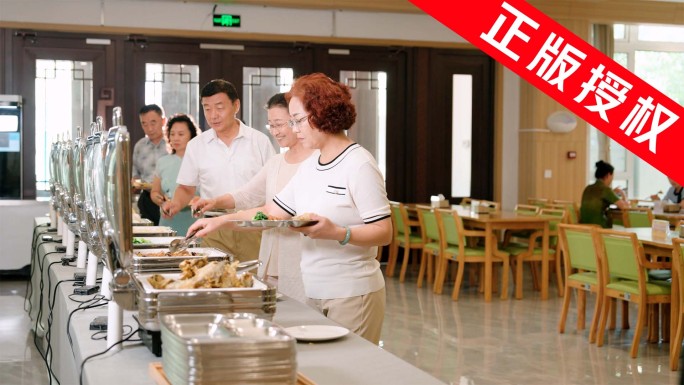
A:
x: 296, y: 122
x: 277, y: 125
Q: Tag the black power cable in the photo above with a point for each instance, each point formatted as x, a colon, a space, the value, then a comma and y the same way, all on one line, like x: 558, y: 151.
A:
x: 127, y: 338
x: 40, y: 313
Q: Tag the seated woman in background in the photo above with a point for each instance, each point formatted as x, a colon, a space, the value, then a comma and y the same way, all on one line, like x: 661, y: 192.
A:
x: 674, y: 193
x: 597, y: 197
x: 180, y: 130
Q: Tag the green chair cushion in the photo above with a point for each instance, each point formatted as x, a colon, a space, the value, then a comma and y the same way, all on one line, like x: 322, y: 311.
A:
x: 519, y: 248
x: 633, y: 287
x: 413, y: 239
x: 586, y: 277
x: 432, y: 246
x: 469, y: 251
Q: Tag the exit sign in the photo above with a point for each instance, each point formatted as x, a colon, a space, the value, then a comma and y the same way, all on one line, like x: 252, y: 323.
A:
x: 226, y: 20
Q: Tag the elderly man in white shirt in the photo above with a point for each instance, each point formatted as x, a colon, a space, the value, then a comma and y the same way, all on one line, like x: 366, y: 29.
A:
x: 221, y: 160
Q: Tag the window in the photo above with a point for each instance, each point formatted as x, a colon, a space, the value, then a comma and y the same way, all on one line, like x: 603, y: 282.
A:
x: 258, y: 85
x: 174, y: 87
x: 64, y: 101
x: 369, y: 95
x: 655, y: 54
x: 461, y: 135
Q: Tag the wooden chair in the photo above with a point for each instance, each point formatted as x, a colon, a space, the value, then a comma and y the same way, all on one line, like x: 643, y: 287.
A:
x: 572, y: 207
x: 454, y: 247
x: 527, y: 209
x: 622, y: 267
x: 539, y: 202
x: 523, y: 235
x: 494, y: 206
x: 431, y: 243
x: 677, y: 309
x: 581, y: 274
x: 404, y: 237
x: 637, y: 217
x: 532, y: 251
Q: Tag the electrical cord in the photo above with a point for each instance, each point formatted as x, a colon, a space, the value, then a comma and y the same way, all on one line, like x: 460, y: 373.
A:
x: 48, y: 333
x: 128, y: 338
x: 34, y: 256
x: 81, y: 307
x: 102, y: 334
x: 40, y: 314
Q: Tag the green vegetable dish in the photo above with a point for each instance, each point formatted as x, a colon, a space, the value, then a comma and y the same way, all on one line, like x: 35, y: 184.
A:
x: 139, y: 241
x: 260, y: 216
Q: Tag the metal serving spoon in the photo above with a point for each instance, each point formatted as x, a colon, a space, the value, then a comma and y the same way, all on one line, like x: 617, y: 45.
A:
x: 181, y: 244
x: 248, y: 265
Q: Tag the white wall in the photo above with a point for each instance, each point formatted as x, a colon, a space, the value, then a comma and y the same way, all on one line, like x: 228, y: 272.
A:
x: 511, y: 124
x: 16, y: 228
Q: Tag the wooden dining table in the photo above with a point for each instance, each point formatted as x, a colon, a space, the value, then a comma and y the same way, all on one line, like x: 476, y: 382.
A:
x: 494, y: 221
x: 673, y: 218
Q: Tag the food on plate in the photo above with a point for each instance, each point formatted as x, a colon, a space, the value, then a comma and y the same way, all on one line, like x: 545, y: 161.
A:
x: 162, y: 253
x: 210, y: 275
x: 260, y: 216
x: 302, y: 217
x: 140, y: 241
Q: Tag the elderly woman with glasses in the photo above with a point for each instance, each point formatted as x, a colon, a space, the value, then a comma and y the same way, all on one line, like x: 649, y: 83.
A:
x: 280, y: 251
x: 342, y: 189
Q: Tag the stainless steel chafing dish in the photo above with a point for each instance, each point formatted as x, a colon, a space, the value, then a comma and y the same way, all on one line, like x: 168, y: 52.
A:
x: 130, y: 280
x: 142, y: 262
x: 153, y: 231
x: 259, y: 299
x: 93, y: 190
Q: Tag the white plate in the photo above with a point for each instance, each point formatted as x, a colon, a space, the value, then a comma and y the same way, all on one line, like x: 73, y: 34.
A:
x: 317, y: 332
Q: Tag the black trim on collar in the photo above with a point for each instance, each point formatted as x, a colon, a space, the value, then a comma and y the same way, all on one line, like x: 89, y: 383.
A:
x: 338, y: 158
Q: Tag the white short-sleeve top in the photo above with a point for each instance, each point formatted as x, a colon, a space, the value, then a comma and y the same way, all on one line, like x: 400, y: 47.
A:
x: 350, y: 191
x: 217, y: 168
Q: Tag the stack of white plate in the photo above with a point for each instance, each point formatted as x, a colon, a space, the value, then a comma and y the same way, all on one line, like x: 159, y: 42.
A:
x: 236, y: 348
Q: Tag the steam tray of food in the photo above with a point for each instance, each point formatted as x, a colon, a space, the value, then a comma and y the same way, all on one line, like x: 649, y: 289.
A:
x: 162, y: 260
x: 153, y: 231
x: 155, y: 242
x: 202, y: 286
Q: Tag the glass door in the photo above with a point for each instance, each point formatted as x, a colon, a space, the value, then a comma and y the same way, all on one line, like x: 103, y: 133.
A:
x: 377, y: 81
x: 260, y: 72
x: 61, y: 77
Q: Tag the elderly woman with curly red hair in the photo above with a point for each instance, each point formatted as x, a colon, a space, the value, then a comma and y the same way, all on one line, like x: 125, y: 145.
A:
x: 341, y: 188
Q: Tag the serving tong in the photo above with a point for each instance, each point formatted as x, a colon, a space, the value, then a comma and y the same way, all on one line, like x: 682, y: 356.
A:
x: 181, y: 244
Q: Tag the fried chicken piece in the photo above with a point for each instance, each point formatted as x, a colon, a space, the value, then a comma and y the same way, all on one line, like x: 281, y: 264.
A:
x: 159, y: 281
x: 189, y: 267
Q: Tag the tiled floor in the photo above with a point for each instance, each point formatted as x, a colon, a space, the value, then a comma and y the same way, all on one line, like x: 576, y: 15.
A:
x: 467, y: 342
x: 20, y: 362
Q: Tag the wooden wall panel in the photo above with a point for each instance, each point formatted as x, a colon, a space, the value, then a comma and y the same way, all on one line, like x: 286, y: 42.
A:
x: 540, y: 151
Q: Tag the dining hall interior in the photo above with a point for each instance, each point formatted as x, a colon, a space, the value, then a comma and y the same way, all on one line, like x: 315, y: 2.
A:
x: 479, y: 166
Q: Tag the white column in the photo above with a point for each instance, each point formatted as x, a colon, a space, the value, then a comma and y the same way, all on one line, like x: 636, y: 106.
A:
x: 104, y: 285
x: 82, y: 255
x: 70, y: 241
x: 53, y: 217
x: 114, y: 325
x: 91, y: 272
x: 59, y: 227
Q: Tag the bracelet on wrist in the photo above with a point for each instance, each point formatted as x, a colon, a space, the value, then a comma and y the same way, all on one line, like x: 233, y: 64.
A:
x: 347, y: 236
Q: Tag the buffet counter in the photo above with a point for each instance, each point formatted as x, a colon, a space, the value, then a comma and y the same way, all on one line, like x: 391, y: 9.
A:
x: 348, y: 360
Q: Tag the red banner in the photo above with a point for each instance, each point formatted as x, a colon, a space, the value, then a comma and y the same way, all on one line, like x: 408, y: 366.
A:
x: 574, y: 73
